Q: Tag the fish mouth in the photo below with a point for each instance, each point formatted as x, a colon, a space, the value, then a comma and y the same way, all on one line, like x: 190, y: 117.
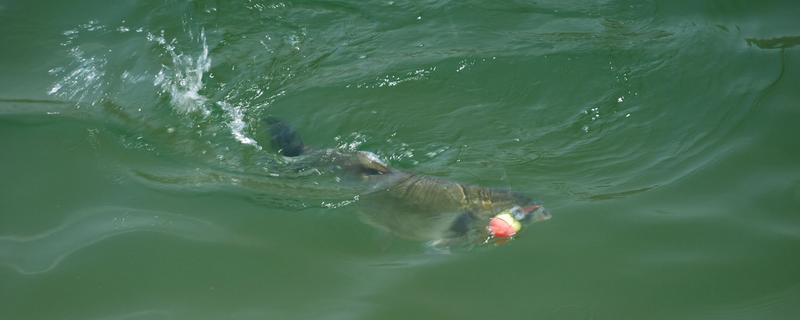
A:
x: 537, y: 213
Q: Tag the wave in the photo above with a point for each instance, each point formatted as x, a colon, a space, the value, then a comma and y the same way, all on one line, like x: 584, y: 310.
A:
x: 42, y: 252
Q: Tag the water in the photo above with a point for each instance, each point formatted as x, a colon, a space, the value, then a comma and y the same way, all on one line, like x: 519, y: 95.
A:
x: 136, y: 183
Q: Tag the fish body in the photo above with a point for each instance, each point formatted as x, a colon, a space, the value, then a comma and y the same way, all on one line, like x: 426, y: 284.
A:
x: 409, y: 205
x: 428, y: 208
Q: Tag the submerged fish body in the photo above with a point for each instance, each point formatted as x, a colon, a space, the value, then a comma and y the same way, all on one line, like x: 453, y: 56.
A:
x: 441, y: 211
x: 408, y: 205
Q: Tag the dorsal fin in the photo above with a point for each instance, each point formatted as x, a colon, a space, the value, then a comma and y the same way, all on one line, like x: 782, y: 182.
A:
x: 284, y: 138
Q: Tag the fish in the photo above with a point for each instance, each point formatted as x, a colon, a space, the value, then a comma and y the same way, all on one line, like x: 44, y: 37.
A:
x: 440, y: 212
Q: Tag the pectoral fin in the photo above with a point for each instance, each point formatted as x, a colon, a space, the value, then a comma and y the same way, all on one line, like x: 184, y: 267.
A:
x: 462, y: 224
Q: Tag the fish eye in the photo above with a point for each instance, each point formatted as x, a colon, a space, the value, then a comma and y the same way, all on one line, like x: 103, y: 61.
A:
x: 518, y: 214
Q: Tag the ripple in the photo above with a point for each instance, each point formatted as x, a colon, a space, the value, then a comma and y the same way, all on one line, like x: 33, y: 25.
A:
x: 774, y: 43
x: 278, y: 188
x: 773, y: 305
x: 42, y: 252
x: 140, y: 315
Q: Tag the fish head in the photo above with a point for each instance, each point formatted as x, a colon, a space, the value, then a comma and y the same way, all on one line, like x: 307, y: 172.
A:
x: 508, y: 222
x: 530, y: 214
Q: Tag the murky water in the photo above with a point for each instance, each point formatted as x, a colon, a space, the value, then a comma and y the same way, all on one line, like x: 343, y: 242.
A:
x: 137, y: 181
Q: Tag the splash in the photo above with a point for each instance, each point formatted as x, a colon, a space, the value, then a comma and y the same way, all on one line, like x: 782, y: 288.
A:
x: 183, y: 80
x: 237, y: 124
x: 82, y: 80
x: 393, y: 80
x: 340, y: 204
x: 350, y: 143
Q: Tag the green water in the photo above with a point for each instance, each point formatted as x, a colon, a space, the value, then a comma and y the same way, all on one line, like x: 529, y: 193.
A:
x: 135, y: 182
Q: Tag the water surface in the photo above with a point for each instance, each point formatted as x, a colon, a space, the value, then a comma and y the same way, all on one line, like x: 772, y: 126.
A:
x: 135, y: 182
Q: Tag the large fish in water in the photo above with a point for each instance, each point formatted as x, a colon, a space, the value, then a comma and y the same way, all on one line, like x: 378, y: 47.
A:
x: 444, y: 213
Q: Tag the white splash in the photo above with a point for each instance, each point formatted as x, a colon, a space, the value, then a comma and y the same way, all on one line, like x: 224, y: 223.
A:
x: 393, y: 80
x: 340, y: 204
x: 355, y: 140
x: 237, y: 124
x: 82, y: 80
x: 183, y: 80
